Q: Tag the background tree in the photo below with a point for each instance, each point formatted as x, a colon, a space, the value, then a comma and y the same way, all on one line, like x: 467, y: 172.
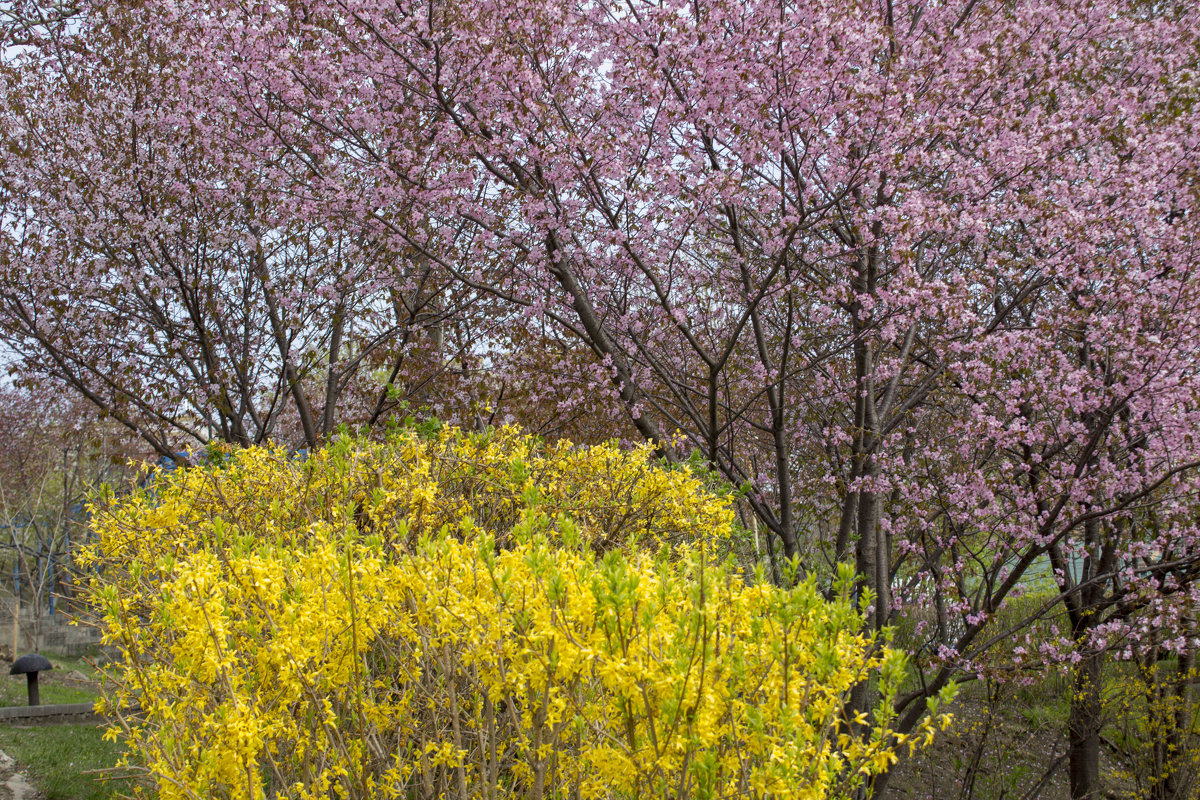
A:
x: 167, y: 286
x: 52, y: 457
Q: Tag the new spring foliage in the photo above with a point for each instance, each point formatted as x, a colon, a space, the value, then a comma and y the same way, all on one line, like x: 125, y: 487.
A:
x: 471, y: 616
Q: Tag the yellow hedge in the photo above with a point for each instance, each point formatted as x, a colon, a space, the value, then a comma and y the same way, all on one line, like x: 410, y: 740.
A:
x: 469, y: 616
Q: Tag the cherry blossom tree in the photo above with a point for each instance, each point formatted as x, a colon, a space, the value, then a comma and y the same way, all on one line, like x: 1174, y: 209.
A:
x: 166, y: 286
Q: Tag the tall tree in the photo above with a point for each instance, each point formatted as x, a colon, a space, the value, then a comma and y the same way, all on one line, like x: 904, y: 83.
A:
x: 167, y: 285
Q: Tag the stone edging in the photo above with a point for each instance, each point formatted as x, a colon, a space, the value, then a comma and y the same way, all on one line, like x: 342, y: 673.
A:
x: 58, y: 712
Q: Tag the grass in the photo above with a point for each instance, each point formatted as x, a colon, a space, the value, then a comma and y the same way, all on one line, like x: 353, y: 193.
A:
x: 14, y: 693
x: 63, y: 760
x: 82, y: 665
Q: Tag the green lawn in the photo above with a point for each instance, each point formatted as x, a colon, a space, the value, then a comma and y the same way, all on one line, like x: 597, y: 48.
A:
x: 63, y: 761
x: 14, y: 693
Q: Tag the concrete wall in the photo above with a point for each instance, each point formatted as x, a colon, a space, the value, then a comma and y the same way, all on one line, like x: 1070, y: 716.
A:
x: 49, y: 634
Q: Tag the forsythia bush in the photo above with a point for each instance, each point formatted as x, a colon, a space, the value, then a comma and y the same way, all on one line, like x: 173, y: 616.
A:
x: 470, y: 616
x: 1157, y: 725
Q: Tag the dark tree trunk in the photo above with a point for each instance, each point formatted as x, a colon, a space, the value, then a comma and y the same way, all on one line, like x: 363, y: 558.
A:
x: 1083, y: 729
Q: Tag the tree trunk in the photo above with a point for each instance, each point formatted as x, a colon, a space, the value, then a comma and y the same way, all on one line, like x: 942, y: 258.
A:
x: 1083, y: 729
x: 333, y: 377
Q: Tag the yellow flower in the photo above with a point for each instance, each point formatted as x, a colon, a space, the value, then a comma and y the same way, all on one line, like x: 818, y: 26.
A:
x: 424, y: 616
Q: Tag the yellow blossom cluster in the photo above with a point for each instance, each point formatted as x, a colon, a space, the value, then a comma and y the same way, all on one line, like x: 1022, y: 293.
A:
x: 470, y: 616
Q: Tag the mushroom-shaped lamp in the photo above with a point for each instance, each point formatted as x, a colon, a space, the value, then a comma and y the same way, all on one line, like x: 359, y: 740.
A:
x: 29, y: 666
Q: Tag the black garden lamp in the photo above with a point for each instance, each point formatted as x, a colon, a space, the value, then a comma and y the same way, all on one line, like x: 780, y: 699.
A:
x: 29, y: 666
